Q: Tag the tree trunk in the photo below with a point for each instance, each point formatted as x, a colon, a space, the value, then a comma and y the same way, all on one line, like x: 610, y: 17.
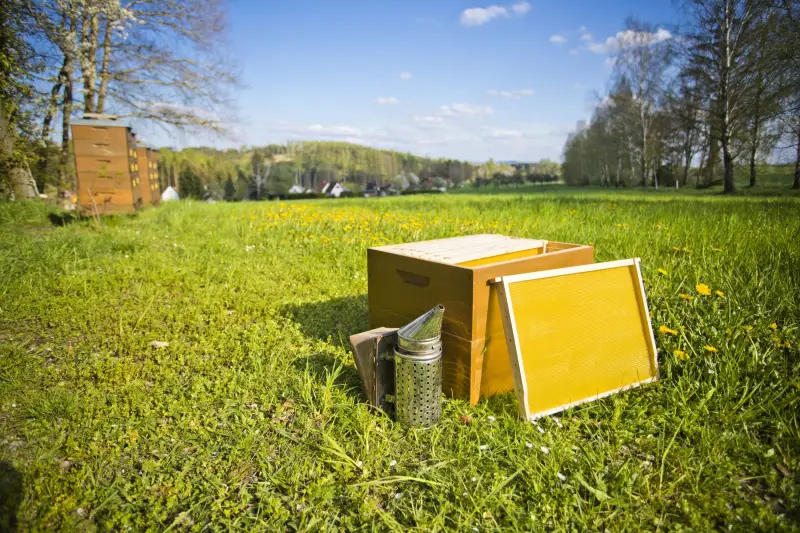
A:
x: 89, y: 61
x: 66, y: 114
x: 727, y: 161
x: 753, y: 171
x: 796, y: 184
x: 53, y: 103
x: 104, y: 74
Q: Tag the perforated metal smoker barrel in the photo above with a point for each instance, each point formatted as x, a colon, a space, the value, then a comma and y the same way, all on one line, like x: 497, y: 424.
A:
x: 418, y: 387
x: 418, y: 370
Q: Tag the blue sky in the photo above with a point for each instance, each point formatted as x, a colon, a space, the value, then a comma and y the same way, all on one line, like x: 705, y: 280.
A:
x: 447, y: 78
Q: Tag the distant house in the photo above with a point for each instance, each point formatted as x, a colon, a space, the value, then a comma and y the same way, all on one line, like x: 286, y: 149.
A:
x: 333, y: 189
x: 297, y: 189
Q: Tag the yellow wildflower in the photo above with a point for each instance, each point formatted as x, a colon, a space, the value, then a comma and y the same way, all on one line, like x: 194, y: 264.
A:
x: 710, y: 348
x: 686, y: 297
x: 747, y: 328
x: 664, y: 330
x: 720, y: 294
x: 703, y: 289
x: 787, y: 345
x: 663, y: 272
x: 680, y: 354
x: 774, y: 325
x: 675, y: 248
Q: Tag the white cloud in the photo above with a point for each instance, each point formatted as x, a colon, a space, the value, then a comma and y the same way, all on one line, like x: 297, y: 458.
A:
x: 629, y: 39
x: 428, y: 119
x: 386, y: 100
x: 464, y: 110
x: 512, y: 95
x: 586, y: 37
x: 477, y: 16
x: 558, y: 39
x: 520, y: 8
x: 405, y: 75
x: 573, y: 52
x: 506, y: 134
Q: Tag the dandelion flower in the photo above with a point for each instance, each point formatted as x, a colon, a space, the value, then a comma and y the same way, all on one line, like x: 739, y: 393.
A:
x: 664, y: 330
x: 680, y: 354
x: 710, y: 349
x: 720, y: 294
x: 774, y: 325
x: 686, y: 297
x: 703, y: 289
x: 663, y: 272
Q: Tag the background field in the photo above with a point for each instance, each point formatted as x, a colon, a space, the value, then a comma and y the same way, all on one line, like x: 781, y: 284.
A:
x: 252, y: 417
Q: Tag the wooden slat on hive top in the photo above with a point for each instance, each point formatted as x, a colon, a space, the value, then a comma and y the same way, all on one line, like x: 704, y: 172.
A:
x: 457, y: 250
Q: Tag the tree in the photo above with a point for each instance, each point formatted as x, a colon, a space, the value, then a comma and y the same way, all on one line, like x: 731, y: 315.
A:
x: 641, y: 57
x: 721, y: 56
x: 16, y: 87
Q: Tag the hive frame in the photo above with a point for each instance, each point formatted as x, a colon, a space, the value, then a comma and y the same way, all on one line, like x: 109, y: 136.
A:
x: 512, y: 336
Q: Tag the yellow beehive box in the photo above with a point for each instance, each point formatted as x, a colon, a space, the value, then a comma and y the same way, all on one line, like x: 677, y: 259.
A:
x: 405, y: 280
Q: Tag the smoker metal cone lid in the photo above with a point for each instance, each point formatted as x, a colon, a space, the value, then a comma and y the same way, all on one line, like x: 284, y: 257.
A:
x: 423, y: 333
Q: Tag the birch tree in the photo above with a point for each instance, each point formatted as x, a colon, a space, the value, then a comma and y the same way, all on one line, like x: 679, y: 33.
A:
x: 641, y: 56
x: 721, y: 48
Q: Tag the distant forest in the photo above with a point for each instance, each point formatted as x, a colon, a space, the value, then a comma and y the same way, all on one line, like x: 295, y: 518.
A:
x: 274, y: 169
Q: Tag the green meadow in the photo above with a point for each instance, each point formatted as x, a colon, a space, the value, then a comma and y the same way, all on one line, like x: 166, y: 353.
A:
x: 188, y: 369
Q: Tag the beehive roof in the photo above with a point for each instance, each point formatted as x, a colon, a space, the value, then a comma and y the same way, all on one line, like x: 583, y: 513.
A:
x: 456, y: 250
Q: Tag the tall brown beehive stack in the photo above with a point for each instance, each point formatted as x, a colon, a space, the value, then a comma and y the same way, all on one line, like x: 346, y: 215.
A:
x: 148, y: 172
x: 106, y: 163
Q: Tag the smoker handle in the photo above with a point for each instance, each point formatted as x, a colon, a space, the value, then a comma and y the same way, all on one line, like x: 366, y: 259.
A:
x: 414, y: 279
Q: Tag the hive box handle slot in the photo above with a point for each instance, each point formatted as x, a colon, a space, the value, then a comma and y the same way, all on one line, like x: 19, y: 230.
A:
x: 414, y: 279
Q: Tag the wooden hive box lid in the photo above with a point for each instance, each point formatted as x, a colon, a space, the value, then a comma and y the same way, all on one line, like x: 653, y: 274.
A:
x: 457, y: 250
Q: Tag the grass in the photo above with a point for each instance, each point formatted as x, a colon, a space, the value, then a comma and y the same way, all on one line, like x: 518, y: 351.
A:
x: 252, y: 418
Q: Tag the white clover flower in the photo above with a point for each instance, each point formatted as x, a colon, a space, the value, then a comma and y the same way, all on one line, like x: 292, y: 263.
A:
x: 545, y: 450
x: 398, y: 495
x: 483, y: 447
x: 490, y: 418
x: 561, y: 476
x: 474, y: 480
x: 528, y: 445
x: 359, y: 464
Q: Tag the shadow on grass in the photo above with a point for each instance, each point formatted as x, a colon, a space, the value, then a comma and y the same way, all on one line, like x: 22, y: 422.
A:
x: 337, y: 318
x: 63, y: 218
x: 10, y: 496
x: 320, y: 366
